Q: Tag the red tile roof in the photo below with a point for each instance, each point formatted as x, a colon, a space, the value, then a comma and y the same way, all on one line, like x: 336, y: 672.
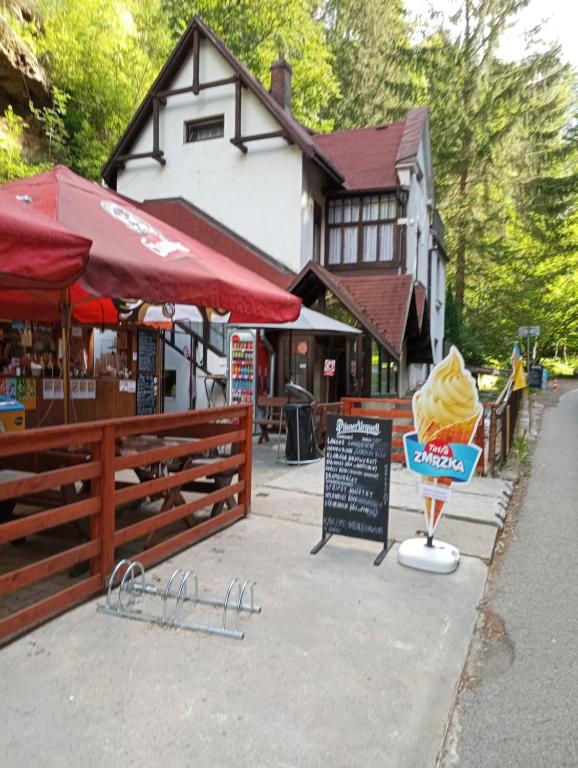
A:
x: 409, y: 145
x: 365, y: 157
x: 192, y: 221
x: 385, y: 300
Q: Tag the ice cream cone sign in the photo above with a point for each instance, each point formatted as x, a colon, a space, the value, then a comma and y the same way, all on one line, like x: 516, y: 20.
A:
x: 446, y: 412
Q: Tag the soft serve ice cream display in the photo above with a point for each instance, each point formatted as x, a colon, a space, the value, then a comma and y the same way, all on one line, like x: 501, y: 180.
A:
x: 446, y: 414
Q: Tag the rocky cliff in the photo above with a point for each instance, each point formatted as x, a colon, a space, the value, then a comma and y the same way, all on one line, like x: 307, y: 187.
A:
x: 22, y: 77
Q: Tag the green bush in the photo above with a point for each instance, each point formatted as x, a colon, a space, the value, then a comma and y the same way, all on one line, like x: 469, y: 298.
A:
x: 557, y: 367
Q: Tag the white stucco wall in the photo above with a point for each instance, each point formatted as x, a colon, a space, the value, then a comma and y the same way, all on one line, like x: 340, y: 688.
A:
x: 176, y: 362
x: 258, y: 194
x: 421, y: 194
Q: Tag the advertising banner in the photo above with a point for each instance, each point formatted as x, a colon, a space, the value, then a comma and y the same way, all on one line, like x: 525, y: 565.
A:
x: 446, y: 412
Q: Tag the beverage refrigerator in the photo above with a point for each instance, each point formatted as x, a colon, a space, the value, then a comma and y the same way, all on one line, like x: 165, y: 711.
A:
x: 242, y: 354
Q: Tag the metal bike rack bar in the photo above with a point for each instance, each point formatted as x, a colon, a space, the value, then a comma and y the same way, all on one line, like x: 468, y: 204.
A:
x: 134, y: 586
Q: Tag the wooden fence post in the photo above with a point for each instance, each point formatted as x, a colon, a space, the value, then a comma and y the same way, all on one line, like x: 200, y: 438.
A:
x: 246, y: 469
x: 492, y: 441
x: 108, y: 505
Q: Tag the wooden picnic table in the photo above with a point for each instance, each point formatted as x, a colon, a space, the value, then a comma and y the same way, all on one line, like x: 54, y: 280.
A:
x: 173, y: 497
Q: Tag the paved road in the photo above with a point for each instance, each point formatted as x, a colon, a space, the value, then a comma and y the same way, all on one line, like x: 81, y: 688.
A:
x: 524, y: 713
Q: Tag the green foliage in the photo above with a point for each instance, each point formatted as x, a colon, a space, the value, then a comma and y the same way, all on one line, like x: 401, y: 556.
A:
x: 258, y: 32
x: 53, y: 123
x: 14, y: 162
x: 103, y: 59
x: 557, y: 366
x: 522, y: 449
x: 373, y: 61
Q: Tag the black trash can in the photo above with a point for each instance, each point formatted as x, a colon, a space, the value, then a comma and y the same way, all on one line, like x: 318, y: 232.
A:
x: 301, y: 445
x: 535, y: 376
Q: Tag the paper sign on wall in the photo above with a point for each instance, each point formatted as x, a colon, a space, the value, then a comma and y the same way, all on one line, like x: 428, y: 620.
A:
x: 329, y: 368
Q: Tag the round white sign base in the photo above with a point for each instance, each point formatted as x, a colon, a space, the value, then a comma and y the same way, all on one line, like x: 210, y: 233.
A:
x: 440, y: 558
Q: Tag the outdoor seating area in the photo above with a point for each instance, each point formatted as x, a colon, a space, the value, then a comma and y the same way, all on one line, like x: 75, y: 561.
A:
x: 99, y: 491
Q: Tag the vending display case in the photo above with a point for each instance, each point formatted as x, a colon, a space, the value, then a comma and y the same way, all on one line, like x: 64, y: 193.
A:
x: 242, y: 367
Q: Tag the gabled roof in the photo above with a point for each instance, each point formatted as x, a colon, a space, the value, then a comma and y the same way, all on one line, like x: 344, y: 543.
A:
x: 189, y: 219
x: 413, y: 131
x: 368, y: 158
x: 383, y: 304
x: 295, y: 131
x: 385, y: 300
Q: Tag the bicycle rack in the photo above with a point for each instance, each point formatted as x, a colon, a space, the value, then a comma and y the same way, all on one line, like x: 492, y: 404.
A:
x: 133, y: 587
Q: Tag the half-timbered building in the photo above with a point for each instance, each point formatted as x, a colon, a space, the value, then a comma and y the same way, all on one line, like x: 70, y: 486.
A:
x: 347, y: 220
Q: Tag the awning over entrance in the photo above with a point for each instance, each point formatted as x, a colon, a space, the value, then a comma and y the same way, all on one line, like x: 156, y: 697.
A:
x: 309, y: 321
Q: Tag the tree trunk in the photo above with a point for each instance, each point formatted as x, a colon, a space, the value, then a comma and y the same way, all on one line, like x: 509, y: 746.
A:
x: 461, y: 255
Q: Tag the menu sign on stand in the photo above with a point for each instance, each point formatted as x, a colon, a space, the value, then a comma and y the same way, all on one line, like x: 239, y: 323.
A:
x: 147, y: 380
x: 357, y: 474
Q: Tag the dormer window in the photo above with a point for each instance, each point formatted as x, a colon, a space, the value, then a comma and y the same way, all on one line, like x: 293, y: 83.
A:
x: 205, y: 129
x: 361, y: 229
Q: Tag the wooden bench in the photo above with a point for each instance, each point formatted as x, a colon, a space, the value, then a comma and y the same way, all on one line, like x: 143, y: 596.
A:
x: 273, y: 416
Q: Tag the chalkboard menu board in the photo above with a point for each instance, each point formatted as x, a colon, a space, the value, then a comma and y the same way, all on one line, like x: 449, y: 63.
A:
x: 147, y: 381
x: 357, y: 473
x: 146, y: 394
x: 147, y: 351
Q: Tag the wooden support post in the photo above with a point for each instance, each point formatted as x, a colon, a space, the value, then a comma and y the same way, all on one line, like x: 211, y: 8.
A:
x: 246, y: 469
x: 238, y: 97
x: 156, y: 147
x: 508, y: 431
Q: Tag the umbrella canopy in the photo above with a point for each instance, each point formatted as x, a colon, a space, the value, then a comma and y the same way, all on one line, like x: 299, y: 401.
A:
x: 28, y: 238
x: 134, y: 254
x: 308, y: 321
x: 164, y: 317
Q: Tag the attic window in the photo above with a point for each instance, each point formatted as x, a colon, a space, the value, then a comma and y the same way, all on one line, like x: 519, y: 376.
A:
x: 205, y: 129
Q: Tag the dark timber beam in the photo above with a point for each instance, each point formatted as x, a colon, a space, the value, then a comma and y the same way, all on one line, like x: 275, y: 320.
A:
x: 238, y: 92
x: 156, y: 147
x: 242, y: 140
x: 163, y: 95
x: 196, y: 60
x: 120, y: 160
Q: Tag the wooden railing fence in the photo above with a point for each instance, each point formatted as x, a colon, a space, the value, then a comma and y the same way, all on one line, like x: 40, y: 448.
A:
x: 396, y: 409
x: 503, y: 417
x: 80, y: 472
x: 399, y: 410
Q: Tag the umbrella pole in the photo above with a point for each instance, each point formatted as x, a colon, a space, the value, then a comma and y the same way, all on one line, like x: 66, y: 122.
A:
x: 65, y: 315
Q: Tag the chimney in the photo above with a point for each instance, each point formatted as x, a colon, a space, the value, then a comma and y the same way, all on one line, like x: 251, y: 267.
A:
x: 281, y: 83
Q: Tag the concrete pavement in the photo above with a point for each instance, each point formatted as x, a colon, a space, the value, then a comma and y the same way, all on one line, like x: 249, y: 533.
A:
x: 348, y: 665
x: 471, y: 521
x: 524, y: 710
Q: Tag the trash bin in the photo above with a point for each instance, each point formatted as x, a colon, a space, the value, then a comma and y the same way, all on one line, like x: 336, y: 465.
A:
x: 535, y: 376
x: 12, y: 417
x: 301, y: 445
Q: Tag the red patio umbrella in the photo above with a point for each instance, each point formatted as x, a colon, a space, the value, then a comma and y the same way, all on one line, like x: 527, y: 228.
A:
x: 136, y: 255
x: 28, y: 236
x: 133, y: 254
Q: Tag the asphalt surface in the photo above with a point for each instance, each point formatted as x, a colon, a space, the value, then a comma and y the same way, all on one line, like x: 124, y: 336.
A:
x: 524, y: 710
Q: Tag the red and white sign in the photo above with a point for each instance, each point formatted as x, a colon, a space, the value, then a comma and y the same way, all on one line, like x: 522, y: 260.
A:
x: 329, y: 368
